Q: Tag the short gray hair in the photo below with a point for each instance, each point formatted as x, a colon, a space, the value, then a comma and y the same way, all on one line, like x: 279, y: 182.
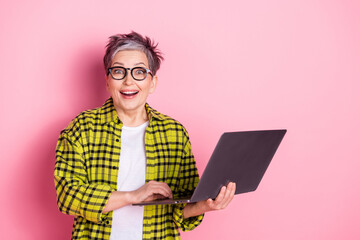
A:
x: 133, y: 41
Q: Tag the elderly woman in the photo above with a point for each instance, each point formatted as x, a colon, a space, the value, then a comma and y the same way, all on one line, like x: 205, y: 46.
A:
x: 126, y: 152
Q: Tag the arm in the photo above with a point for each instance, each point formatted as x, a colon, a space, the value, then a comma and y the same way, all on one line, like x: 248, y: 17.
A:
x: 148, y: 192
x: 187, y: 181
x: 117, y: 200
x: 75, y: 195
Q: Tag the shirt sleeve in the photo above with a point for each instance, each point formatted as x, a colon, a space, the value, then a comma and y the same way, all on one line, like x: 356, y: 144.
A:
x: 188, y: 179
x: 75, y: 195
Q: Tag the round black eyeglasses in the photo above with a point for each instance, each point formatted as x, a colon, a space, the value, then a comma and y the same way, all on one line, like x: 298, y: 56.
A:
x: 138, y: 73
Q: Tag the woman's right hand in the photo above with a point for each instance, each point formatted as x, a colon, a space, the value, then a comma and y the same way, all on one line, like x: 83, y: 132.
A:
x: 151, y: 191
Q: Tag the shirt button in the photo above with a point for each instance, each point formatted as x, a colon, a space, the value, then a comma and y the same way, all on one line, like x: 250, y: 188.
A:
x: 117, y: 140
x: 107, y: 222
x: 114, y: 167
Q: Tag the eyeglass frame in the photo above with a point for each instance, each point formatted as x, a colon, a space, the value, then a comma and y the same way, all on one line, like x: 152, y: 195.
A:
x: 131, y: 72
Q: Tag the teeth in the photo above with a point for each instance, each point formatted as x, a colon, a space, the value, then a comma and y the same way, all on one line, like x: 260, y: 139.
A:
x: 129, y: 92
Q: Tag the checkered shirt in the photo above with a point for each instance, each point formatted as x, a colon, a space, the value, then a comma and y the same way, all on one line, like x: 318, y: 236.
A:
x: 87, y: 164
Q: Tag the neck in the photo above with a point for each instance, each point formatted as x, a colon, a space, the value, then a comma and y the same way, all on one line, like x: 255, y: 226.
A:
x: 132, y: 118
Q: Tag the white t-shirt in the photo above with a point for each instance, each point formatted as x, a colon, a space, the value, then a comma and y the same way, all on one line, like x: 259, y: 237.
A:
x: 128, y: 221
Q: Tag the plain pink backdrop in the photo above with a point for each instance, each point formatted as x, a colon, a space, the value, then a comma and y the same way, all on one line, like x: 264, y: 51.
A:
x: 229, y: 66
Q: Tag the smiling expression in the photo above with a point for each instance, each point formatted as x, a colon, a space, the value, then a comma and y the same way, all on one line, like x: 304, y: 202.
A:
x: 130, y: 95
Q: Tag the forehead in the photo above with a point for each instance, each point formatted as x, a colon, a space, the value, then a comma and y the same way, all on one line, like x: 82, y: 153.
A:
x: 130, y: 57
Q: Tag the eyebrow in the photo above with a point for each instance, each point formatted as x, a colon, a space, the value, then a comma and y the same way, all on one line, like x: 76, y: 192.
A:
x: 121, y: 64
x: 139, y: 63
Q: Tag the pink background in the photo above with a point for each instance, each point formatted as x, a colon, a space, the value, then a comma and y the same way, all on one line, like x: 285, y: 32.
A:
x: 230, y: 65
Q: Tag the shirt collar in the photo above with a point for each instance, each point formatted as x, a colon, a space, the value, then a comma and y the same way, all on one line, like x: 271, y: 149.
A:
x: 108, y: 112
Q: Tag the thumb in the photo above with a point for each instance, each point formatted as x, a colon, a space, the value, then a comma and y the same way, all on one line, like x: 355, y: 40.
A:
x: 209, y: 203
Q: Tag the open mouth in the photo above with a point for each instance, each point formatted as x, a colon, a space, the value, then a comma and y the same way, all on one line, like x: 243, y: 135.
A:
x: 129, y: 93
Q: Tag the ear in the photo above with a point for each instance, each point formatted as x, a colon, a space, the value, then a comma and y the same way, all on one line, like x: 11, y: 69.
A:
x: 154, y: 81
x: 107, y: 82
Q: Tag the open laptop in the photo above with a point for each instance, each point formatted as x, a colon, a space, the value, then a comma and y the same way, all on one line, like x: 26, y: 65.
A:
x: 240, y: 157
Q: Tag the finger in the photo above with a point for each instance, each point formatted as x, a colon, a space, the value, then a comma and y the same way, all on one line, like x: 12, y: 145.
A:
x: 230, y: 194
x: 166, y: 189
x: 227, y: 193
x: 154, y: 196
x: 233, y: 189
x: 210, y: 204
x: 150, y: 198
x: 159, y: 196
x: 159, y: 191
x: 220, y: 196
x: 159, y: 188
x: 164, y: 186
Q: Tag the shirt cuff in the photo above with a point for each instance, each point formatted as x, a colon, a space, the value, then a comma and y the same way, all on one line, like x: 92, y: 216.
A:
x: 94, y: 211
x: 187, y: 224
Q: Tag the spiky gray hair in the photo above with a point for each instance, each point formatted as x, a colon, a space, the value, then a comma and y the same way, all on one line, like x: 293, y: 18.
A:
x: 133, y: 41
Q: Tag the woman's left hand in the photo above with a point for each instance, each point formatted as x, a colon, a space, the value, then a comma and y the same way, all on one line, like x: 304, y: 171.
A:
x: 222, y: 201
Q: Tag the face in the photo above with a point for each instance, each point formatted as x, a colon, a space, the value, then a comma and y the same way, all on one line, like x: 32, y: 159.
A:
x: 128, y: 94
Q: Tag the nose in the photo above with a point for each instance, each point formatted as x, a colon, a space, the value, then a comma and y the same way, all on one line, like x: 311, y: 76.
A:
x: 128, y: 80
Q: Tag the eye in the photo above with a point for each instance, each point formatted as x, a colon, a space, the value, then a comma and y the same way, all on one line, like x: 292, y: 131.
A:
x: 140, y: 71
x: 118, y: 71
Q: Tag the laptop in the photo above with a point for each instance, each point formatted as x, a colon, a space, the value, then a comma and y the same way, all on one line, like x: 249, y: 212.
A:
x: 240, y: 157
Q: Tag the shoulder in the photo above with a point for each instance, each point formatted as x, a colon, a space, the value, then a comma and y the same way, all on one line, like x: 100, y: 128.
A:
x: 82, y: 122
x: 163, y: 122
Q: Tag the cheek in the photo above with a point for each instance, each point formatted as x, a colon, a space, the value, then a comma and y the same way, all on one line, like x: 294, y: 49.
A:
x: 147, y: 88
x: 112, y: 86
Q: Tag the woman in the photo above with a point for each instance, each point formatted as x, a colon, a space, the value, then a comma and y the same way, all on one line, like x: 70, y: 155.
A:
x: 126, y: 152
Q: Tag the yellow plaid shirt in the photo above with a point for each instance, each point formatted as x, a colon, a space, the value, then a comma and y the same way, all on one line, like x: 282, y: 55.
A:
x: 87, y: 164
